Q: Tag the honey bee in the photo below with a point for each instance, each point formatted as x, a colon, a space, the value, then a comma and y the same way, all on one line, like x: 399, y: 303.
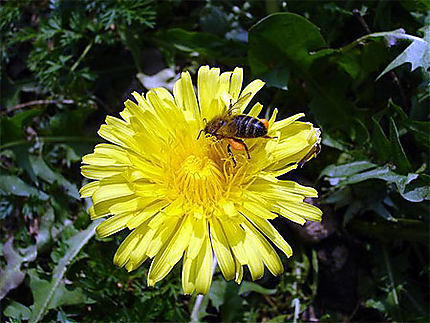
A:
x: 235, y: 128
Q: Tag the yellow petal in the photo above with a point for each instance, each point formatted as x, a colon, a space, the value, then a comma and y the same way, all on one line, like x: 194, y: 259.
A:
x: 100, y: 172
x: 203, y: 268
x: 207, y: 90
x: 117, y: 136
x: 236, y: 238
x: 112, y: 225
x: 258, y: 210
x: 272, y: 119
x: 296, y: 218
x: 120, y: 125
x: 146, y: 214
x: 236, y: 83
x: 294, y: 187
x: 255, y: 110
x: 255, y: 261
x: 162, y: 236
x: 199, y: 232
x: 107, y: 192
x: 239, y: 271
x: 133, y: 205
x: 271, y: 233
x: 305, y: 210
x: 173, y: 252
x: 142, y: 103
x: 188, y: 277
x: 268, y: 254
x: 138, y: 255
x: 222, y: 250
x: 185, y: 97
x: 116, y: 153
x: 88, y: 189
x: 148, y: 169
x: 278, y: 125
x: 122, y: 255
x: 252, y: 88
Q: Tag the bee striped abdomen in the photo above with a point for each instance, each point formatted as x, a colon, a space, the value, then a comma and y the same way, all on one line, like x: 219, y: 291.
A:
x: 249, y: 127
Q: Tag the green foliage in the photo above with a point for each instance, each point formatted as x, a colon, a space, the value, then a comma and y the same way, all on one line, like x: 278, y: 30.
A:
x: 360, y: 71
x: 417, y: 53
x: 66, y: 42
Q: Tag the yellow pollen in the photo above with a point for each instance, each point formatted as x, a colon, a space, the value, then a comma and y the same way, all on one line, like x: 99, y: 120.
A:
x: 198, y: 180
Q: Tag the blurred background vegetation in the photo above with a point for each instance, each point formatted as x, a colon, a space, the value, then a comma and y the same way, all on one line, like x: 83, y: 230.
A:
x: 360, y: 71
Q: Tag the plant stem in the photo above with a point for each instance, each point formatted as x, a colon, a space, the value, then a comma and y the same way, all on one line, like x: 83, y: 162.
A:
x: 391, y: 277
x: 37, y: 102
x: 49, y: 140
x: 396, y: 80
x: 84, y: 53
x: 296, y: 300
x: 396, y: 34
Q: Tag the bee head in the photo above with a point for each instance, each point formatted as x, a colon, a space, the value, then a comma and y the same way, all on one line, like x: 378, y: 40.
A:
x: 213, y: 125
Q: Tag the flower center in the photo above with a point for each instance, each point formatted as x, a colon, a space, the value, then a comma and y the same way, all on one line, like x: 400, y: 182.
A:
x: 199, y: 181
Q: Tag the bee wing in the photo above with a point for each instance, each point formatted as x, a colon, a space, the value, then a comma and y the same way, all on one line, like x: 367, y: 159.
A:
x: 239, y: 103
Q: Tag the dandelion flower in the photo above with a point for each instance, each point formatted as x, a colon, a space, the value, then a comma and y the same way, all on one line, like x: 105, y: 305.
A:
x: 183, y: 197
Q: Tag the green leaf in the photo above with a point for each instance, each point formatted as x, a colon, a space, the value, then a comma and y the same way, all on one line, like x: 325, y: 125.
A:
x: 410, y: 230
x: 17, y: 311
x: 217, y: 293
x: 12, y: 185
x: 58, y: 296
x: 399, y: 156
x: 329, y: 141
x: 289, y: 38
x: 12, y: 130
x: 419, y: 129
x: 231, y: 310
x: 412, y: 187
x: 382, y: 211
x: 214, y: 20
x: 207, y: 45
x: 342, y: 171
x: 225, y: 297
x: 418, y: 189
x: 279, y: 319
x: 352, y: 210
x: 42, y: 170
x: 417, y: 53
x: 297, y: 47
x: 378, y: 305
x: 44, y: 236
x: 381, y: 145
x: 246, y: 287
x: 51, y: 294
x: 11, y: 275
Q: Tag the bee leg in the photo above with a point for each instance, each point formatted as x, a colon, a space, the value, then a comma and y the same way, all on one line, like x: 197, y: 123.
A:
x: 244, y: 145
x: 238, y: 144
x: 231, y: 154
x: 269, y: 137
